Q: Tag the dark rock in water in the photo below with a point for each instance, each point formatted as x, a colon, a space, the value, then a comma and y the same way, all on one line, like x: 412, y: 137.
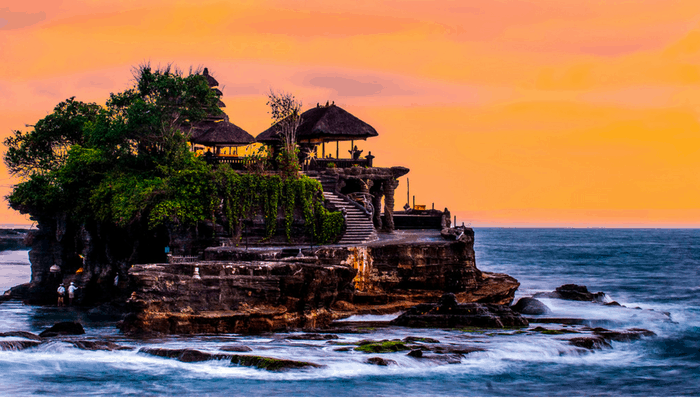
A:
x: 184, y: 355
x: 572, y: 292
x: 415, y: 353
x: 16, y: 345
x: 236, y: 348
x: 343, y: 349
x: 312, y: 336
x: 449, y: 314
x: 97, y: 345
x: 386, y: 346
x: 603, y: 337
x: 22, y: 334
x: 623, y: 336
x: 413, y: 339
x: 590, y: 342
x: 63, y: 328
x: 613, y: 303
x: 381, y: 361
x: 530, y: 306
x: 271, y: 364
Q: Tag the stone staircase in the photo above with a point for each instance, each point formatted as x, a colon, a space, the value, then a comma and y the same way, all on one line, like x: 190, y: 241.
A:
x: 360, y: 228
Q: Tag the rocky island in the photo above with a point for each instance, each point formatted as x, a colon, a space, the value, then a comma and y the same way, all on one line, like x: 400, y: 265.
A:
x: 175, y: 232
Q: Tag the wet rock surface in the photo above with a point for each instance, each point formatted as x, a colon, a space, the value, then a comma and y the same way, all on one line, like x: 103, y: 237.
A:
x: 236, y: 348
x: 17, y: 345
x: 530, y: 306
x: 572, y: 292
x: 63, y: 328
x: 241, y: 297
x: 381, y: 361
x: 97, y: 345
x: 448, y: 313
x: 271, y: 364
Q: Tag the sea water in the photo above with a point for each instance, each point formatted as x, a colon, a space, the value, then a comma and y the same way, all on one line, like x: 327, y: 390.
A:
x: 649, y: 271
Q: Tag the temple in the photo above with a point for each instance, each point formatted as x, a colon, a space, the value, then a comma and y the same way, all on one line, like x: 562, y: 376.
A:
x: 352, y: 184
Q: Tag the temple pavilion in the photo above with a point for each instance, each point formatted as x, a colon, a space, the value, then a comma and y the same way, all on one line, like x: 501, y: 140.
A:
x: 321, y: 125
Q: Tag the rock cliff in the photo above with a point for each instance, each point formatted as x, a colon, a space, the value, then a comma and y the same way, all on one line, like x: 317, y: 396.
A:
x: 236, y: 290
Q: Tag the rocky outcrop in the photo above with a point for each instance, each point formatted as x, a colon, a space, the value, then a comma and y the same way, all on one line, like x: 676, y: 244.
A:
x: 448, y: 313
x: 63, y: 328
x: 235, y: 297
x: 396, y: 275
x: 269, y: 290
x: 530, y: 306
x: 602, y: 337
x: 572, y: 292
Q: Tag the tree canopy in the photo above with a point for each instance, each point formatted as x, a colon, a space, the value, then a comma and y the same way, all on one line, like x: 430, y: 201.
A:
x: 128, y: 164
x: 119, y: 162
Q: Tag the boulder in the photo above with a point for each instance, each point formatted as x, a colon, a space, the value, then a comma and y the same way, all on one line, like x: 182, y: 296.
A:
x: 312, y: 336
x: 385, y: 346
x: 449, y: 314
x: 184, y: 355
x: 238, y: 348
x: 381, y: 361
x: 530, y: 306
x: 271, y: 364
x: 63, y: 328
x: 590, y: 342
x: 572, y: 292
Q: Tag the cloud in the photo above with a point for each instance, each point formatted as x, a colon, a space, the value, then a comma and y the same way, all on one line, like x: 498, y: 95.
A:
x: 17, y: 20
x: 359, y: 86
x: 95, y: 81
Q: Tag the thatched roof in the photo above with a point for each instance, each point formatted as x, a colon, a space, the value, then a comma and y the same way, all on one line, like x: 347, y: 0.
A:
x: 330, y: 123
x: 220, y: 133
x: 210, y: 79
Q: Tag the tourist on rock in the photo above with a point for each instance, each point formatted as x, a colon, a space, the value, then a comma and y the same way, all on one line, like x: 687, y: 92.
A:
x: 61, y: 293
x: 71, y: 293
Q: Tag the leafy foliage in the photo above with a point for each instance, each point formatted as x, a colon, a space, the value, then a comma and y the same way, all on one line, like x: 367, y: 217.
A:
x: 128, y: 164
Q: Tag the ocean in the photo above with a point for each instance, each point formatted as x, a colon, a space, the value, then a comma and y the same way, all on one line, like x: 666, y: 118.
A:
x: 652, y: 272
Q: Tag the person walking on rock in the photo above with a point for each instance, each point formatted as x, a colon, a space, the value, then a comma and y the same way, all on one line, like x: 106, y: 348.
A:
x: 71, y: 293
x: 61, y: 294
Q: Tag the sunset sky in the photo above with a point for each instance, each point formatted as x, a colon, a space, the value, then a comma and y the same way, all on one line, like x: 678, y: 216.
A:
x: 546, y: 113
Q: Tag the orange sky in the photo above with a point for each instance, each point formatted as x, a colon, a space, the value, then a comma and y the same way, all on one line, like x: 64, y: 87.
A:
x: 508, y: 112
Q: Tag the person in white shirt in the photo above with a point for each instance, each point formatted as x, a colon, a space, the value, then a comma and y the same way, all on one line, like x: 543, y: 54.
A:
x: 61, y: 294
x: 71, y: 293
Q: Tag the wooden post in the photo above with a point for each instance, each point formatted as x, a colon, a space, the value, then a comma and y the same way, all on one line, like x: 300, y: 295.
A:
x: 414, y: 201
x: 337, y: 151
x: 408, y: 192
x: 455, y: 221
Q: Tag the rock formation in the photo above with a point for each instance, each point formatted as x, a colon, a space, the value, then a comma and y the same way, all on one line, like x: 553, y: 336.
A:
x: 262, y: 290
x: 448, y: 313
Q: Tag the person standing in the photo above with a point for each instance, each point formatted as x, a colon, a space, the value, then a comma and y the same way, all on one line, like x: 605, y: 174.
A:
x: 71, y: 293
x: 61, y: 294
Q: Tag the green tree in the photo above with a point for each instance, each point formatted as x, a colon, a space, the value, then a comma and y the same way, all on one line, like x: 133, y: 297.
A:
x: 123, y: 163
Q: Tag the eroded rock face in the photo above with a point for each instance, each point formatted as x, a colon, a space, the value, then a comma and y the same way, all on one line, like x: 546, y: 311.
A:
x: 235, y: 297
x: 392, y: 277
x: 448, y: 313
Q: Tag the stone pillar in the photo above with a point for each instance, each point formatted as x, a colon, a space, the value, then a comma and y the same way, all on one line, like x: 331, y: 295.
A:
x: 389, y: 186
x: 377, y: 203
